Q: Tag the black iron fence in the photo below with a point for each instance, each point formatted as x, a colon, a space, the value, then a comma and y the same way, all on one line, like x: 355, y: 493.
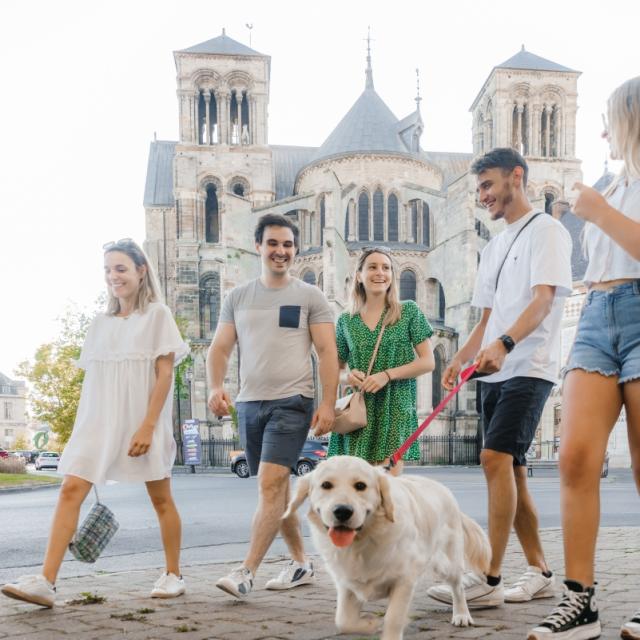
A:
x: 451, y: 449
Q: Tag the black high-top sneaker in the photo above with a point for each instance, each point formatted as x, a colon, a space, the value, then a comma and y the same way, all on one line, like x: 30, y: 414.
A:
x: 575, y: 618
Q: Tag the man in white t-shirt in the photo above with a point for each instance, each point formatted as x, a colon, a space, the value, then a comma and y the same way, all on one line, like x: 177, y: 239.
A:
x: 523, y: 279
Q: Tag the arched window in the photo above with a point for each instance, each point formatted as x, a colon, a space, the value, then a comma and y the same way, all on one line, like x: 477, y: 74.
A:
x: 378, y: 215
x: 392, y: 213
x: 549, y: 198
x: 212, y: 220
x: 436, y: 376
x: 426, y: 225
x: 363, y: 216
x: 322, y: 221
x: 414, y: 220
x: 407, y: 285
x: 209, y: 304
x: 346, y: 224
x: 309, y: 277
x: 239, y: 186
x: 436, y: 303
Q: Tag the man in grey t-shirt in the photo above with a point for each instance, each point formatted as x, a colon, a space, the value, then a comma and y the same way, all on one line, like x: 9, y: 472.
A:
x: 275, y: 320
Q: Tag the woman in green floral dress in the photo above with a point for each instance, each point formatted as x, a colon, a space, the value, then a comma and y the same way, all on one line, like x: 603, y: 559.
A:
x: 405, y: 353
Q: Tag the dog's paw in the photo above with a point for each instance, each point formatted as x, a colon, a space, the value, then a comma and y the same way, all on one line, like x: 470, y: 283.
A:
x: 462, y: 620
x: 366, y: 624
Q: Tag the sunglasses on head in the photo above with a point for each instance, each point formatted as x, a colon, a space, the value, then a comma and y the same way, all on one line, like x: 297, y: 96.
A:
x: 377, y: 249
x: 123, y: 242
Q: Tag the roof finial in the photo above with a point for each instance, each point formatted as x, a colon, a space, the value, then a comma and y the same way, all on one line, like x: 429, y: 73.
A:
x: 522, y: 48
x: 369, y: 71
x: 224, y: 33
x: 418, y: 98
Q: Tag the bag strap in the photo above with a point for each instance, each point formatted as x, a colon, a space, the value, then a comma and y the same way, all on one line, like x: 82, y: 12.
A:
x: 529, y: 221
x: 96, y: 492
x: 375, y: 350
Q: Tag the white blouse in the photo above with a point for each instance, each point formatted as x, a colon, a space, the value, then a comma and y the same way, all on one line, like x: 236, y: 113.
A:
x: 607, y: 259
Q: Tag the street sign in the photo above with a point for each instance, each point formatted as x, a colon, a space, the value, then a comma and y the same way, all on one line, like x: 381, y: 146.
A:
x: 191, y: 443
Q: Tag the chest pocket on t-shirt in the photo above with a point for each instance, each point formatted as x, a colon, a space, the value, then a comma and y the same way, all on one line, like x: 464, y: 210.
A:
x: 289, y: 316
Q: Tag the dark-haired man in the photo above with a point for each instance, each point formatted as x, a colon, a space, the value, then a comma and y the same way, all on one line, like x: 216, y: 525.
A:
x: 275, y: 320
x: 522, y: 281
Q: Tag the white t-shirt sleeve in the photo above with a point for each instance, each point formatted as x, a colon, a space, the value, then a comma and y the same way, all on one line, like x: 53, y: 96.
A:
x: 551, y: 258
x: 484, y: 289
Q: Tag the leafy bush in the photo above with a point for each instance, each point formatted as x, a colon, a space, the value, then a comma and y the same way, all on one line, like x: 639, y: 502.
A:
x: 12, y: 465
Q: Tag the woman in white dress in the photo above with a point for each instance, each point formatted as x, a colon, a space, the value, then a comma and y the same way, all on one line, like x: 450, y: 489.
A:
x: 123, y: 428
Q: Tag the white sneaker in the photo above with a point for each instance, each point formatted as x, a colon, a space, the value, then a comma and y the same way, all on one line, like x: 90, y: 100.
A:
x: 168, y: 585
x: 478, y: 592
x: 532, y: 584
x: 34, y: 589
x: 238, y: 583
x: 293, y: 575
x: 631, y: 629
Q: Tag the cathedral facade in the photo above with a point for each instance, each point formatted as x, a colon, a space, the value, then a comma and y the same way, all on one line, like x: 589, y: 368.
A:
x: 371, y: 182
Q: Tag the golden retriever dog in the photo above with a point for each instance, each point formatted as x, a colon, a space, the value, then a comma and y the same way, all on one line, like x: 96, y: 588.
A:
x: 378, y: 534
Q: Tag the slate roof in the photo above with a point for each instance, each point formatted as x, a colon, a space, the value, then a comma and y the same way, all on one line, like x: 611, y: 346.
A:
x: 452, y: 164
x: 287, y: 161
x: 222, y: 45
x: 527, y: 60
x: 158, y: 189
x: 369, y: 126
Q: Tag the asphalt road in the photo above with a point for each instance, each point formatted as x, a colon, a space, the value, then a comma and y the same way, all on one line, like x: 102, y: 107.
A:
x: 216, y: 512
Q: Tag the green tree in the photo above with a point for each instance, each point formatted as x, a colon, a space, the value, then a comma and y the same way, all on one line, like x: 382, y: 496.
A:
x: 55, y: 380
x: 181, y: 386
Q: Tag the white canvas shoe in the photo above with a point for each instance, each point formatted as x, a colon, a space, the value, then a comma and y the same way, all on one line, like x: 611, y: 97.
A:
x: 478, y: 592
x: 238, y: 583
x: 168, y: 585
x: 34, y: 589
x: 531, y: 585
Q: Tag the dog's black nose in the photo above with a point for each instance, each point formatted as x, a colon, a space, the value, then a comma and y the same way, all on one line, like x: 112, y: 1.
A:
x: 343, y: 512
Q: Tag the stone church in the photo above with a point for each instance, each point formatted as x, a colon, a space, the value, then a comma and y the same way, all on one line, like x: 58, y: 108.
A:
x: 371, y: 181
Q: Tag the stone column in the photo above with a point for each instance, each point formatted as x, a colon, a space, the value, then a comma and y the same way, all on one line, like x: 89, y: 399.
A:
x: 352, y: 221
x: 519, y: 110
x: 547, y: 130
x: 252, y: 119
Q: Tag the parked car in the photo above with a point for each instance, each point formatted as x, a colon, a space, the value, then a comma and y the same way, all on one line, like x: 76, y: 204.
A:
x: 313, y: 452
x: 4, y: 453
x: 47, y: 460
x: 29, y: 456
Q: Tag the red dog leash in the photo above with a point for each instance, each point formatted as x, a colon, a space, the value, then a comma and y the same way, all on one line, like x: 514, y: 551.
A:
x: 466, y: 375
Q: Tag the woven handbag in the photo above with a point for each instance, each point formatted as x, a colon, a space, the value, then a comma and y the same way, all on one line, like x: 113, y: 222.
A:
x: 94, y: 533
x: 351, y: 410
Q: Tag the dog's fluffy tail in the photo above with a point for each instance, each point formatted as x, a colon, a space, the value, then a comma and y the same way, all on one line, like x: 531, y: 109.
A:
x: 476, y: 546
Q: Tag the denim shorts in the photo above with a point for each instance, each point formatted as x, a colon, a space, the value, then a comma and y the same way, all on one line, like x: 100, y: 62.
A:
x: 608, y: 336
x: 511, y: 411
x: 274, y: 430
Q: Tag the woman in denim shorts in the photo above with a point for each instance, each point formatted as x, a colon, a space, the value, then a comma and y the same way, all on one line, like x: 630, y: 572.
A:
x: 603, y: 371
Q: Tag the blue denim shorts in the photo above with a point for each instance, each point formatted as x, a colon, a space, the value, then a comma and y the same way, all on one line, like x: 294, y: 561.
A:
x: 274, y: 430
x: 608, y: 336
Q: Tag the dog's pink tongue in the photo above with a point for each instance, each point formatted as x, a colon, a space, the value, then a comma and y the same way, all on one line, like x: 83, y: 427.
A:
x: 341, y: 537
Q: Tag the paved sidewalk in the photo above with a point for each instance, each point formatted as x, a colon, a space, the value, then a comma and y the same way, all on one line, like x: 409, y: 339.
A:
x: 304, y: 613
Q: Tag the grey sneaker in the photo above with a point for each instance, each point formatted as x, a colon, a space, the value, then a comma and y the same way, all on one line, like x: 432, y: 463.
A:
x: 630, y: 630
x: 478, y: 592
x: 531, y: 585
x: 293, y: 575
x: 34, y: 589
x: 238, y: 583
x: 168, y: 585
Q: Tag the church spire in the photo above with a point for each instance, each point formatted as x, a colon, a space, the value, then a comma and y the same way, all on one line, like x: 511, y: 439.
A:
x: 369, y: 70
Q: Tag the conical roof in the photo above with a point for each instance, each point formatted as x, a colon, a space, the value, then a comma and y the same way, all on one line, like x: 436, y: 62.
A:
x: 369, y: 126
x: 222, y: 45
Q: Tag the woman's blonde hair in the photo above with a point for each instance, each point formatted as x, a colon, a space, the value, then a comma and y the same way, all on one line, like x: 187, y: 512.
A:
x: 149, y: 290
x: 624, y: 126
x: 392, y: 299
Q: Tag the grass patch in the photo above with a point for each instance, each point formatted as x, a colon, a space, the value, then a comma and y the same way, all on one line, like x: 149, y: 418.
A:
x: 26, y: 479
x: 185, y: 628
x: 86, y: 597
x: 129, y: 617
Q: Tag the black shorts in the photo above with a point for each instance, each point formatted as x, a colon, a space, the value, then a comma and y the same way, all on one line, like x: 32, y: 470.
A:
x: 511, y: 411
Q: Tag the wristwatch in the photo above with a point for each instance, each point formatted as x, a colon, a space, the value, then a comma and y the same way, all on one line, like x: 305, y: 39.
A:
x: 508, y: 343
